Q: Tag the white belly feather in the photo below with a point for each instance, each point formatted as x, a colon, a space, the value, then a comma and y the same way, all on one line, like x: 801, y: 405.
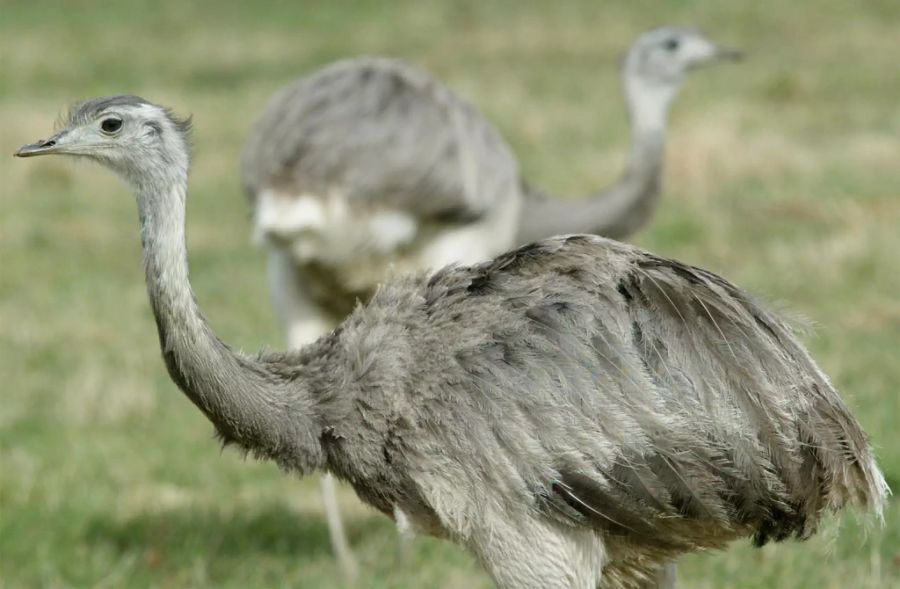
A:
x: 363, y: 246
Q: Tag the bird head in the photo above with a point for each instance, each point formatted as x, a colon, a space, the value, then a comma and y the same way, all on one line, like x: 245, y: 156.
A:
x: 125, y: 133
x: 661, y: 57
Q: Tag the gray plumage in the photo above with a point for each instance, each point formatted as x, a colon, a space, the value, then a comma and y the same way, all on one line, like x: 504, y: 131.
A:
x: 384, y: 133
x: 575, y: 411
x: 375, y: 139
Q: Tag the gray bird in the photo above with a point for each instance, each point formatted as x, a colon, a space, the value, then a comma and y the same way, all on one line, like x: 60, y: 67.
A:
x: 576, y: 412
x: 372, y: 164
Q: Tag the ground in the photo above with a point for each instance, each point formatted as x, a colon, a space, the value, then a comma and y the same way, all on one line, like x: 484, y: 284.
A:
x: 783, y: 174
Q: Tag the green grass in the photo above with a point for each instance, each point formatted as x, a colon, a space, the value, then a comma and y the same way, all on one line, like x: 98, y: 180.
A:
x: 783, y: 174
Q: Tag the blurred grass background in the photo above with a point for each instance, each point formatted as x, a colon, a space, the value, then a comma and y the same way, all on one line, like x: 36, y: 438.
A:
x: 783, y: 173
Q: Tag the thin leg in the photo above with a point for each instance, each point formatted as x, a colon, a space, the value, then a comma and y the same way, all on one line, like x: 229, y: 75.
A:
x: 304, y: 323
x: 665, y: 577
x: 301, y: 317
x: 405, y: 536
x: 339, y: 544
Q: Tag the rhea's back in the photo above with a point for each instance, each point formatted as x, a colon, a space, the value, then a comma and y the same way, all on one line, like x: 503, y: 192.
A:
x: 383, y: 133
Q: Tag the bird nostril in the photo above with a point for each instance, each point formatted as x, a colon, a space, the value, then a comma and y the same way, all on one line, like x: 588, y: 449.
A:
x: 49, y: 143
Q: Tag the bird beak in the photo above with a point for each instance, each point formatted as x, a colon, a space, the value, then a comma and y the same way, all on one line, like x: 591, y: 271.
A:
x: 701, y: 52
x: 728, y: 54
x: 55, y: 144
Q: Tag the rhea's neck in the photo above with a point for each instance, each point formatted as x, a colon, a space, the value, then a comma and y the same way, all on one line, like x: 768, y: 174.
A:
x: 161, y: 207
x: 623, y: 208
x: 648, y: 110
x: 248, y: 404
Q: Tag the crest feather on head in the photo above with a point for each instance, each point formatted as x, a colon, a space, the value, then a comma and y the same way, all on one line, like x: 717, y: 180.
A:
x: 85, y: 111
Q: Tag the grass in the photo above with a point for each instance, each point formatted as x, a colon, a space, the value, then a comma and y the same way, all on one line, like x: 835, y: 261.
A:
x: 782, y: 174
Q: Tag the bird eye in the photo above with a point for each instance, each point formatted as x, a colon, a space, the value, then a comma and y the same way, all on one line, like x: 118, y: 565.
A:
x: 671, y: 44
x: 111, y: 125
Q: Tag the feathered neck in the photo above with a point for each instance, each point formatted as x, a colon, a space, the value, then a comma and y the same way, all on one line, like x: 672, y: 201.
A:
x: 249, y: 400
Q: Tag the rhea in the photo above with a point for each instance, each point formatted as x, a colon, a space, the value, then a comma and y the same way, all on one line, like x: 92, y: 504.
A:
x: 372, y: 163
x: 576, y: 412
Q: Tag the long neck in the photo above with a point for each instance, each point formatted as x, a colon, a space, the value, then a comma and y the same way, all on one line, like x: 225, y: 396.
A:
x: 625, y: 207
x: 248, y: 402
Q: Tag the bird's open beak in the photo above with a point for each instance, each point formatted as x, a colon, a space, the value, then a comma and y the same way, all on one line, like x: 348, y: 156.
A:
x: 42, y: 147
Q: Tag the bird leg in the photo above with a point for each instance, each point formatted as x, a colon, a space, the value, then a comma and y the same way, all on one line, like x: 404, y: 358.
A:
x: 405, y: 535
x: 303, y: 320
x: 342, y: 551
x: 304, y: 323
x: 664, y: 578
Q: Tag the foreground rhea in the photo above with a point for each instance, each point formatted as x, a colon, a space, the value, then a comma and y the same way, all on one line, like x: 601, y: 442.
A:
x: 575, y: 412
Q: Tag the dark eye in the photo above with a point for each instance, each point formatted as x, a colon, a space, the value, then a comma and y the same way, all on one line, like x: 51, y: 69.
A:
x: 111, y: 125
x: 671, y: 44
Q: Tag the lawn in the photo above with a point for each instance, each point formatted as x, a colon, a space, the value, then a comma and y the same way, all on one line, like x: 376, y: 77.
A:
x: 783, y: 173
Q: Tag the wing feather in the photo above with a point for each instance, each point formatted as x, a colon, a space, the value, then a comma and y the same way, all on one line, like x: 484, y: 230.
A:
x: 660, y: 401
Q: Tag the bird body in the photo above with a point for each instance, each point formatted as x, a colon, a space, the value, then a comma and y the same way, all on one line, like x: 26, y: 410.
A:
x: 576, y: 412
x: 370, y: 165
x: 629, y: 407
